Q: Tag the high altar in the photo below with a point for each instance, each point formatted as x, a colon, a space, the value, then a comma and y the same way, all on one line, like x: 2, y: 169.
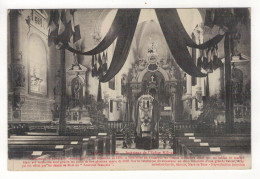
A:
x: 154, y: 93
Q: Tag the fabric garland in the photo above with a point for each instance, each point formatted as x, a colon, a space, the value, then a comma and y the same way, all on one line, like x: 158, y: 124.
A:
x: 176, y: 43
x: 118, y: 25
x: 178, y: 40
x: 123, y: 28
x: 174, y: 19
x: 124, y: 41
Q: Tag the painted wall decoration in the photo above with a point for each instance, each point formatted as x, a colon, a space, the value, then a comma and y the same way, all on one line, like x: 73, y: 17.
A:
x: 37, y: 66
x: 18, y: 75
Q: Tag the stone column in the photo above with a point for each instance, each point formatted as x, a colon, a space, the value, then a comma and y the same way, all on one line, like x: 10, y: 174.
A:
x: 188, y: 84
x: 17, y: 67
x: 198, y: 38
x: 228, y: 86
x: 62, y: 121
x: 199, y: 87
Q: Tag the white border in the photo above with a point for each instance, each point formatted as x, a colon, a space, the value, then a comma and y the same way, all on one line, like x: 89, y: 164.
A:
x: 31, y: 4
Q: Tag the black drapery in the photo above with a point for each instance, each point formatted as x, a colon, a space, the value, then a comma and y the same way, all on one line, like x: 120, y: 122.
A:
x: 176, y: 43
x: 119, y: 24
x: 171, y: 16
x: 122, y: 28
x: 178, y: 40
x: 123, y: 44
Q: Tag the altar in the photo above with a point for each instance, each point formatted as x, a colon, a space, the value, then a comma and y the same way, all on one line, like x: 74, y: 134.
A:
x: 76, y: 93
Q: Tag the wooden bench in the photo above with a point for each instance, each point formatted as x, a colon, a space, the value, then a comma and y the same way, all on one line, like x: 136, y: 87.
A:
x: 101, y: 144
x: 75, y: 142
x: 77, y: 146
x: 217, y: 141
x: 81, y: 146
x: 41, y: 133
x: 54, y: 137
x: 209, y: 145
x: 29, y: 151
x: 195, y: 134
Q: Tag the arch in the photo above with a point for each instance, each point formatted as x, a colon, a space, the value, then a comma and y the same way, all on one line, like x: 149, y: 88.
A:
x: 190, y: 22
x: 146, y: 32
x: 35, y: 35
x: 37, y: 65
x: 106, y: 20
x: 162, y: 71
x: 75, y: 76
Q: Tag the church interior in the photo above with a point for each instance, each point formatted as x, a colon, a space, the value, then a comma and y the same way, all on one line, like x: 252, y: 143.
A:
x: 106, y: 81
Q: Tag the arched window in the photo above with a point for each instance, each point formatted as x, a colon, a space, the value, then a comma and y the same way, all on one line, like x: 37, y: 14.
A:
x: 37, y: 61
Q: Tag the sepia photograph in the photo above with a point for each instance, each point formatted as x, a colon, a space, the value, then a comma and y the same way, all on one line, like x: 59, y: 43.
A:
x: 129, y: 89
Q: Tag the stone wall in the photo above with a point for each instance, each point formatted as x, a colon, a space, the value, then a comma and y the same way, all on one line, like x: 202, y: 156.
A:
x: 23, y: 105
x: 36, y: 109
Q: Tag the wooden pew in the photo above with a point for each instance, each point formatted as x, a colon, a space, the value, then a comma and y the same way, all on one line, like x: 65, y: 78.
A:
x: 41, y: 133
x: 45, y: 156
x: 91, y: 146
x: 80, y: 144
x: 28, y: 151
x: 27, y: 137
x: 195, y: 134
x: 102, y: 143
x: 77, y: 146
x: 209, y: 145
x: 216, y: 141
x: 75, y: 142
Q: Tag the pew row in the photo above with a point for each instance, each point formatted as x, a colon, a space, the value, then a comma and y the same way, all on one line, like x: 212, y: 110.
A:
x: 190, y: 145
x: 60, y: 146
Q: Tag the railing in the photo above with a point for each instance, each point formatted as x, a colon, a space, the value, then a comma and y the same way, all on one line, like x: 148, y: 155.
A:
x: 242, y: 111
x: 185, y: 126
x: 179, y: 127
x: 119, y: 125
x: 220, y: 128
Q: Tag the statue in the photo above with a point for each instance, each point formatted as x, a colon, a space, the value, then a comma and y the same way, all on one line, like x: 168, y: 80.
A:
x: 134, y: 73
x: 76, y: 88
x: 75, y: 116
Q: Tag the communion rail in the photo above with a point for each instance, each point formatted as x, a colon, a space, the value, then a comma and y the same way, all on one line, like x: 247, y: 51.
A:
x: 119, y: 125
x: 189, y: 126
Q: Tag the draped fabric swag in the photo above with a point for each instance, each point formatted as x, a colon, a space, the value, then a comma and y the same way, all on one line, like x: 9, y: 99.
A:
x: 124, y: 41
x: 123, y: 28
x: 178, y: 40
x: 171, y: 17
x: 119, y: 24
